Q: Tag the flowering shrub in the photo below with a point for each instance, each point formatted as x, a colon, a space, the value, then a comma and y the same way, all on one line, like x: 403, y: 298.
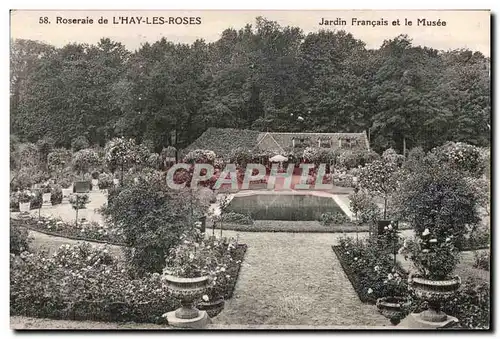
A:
x: 105, y: 181
x: 461, y: 156
x: 434, y: 257
x: 438, y: 199
x: 364, y: 207
x: 192, y: 258
x: 391, y: 156
x: 200, y: 156
x: 224, y: 278
x: 121, y: 153
x: 354, y: 159
x: 482, y: 260
x: 59, y: 159
x: 371, y: 272
x: 34, y: 197
x: 19, y: 239
x: 219, y: 259
x: 333, y: 218
x: 84, y: 160
x: 380, y: 178
x: 81, y: 282
x: 234, y: 217
x: 152, y: 217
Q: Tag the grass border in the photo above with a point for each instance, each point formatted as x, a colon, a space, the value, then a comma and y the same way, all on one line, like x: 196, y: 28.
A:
x: 349, y: 228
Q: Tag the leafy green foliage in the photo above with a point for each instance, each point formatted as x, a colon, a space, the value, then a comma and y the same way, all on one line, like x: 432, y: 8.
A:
x: 333, y: 218
x: 79, y: 143
x: 438, y: 198
x: 152, y: 217
x: 19, y: 239
x: 84, y: 160
x: 263, y: 77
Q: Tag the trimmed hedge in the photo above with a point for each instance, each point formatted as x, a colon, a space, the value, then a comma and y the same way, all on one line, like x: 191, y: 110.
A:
x: 299, y: 227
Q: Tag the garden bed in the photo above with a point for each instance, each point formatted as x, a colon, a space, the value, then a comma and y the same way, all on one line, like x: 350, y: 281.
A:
x: 58, y: 228
x: 100, y: 288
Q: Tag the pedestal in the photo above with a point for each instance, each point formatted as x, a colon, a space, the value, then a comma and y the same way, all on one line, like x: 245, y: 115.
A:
x: 415, y: 321
x: 201, y: 321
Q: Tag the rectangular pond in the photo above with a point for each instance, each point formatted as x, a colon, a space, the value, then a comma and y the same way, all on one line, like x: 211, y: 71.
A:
x: 283, y: 206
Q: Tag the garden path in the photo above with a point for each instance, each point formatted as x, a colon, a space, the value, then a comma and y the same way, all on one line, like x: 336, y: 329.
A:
x: 294, y: 279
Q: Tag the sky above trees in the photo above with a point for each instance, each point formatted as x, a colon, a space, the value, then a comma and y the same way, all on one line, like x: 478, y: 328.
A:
x: 464, y: 29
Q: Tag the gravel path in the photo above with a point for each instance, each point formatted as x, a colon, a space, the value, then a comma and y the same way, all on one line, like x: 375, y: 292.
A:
x: 294, y: 279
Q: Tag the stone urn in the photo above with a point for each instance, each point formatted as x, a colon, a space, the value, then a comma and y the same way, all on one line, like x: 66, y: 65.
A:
x: 46, y: 199
x: 95, y: 184
x: 187, y: 290
x: 116, y: 182
x: 393, y: 308
x: 435, y: 292
x: 24, y: 207
x: 213, y: 308
x: 66, y: 193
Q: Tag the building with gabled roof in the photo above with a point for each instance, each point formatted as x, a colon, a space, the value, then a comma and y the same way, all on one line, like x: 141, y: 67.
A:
x: 224, y: 140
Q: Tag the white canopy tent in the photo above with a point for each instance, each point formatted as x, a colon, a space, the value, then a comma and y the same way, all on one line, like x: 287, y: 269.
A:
x: 278, y: 158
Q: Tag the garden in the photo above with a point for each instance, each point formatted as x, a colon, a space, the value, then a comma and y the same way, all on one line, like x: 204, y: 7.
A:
x: 441, y: 194
x: 415, y: 222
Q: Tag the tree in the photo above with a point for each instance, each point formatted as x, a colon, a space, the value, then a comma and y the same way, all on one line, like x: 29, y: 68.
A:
x: 380, y: 178
x: 84, y: 160
x: 437, y: 198
x: 152, y: 218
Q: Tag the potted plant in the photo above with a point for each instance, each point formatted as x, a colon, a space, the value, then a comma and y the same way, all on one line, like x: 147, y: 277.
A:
x: 379, y: 178
x: 46, y: 195
x: 79, y: 203
x: 82, y: 162
x: 435, y: 258
x: 187, y: 277
x: 65, y: 183
x: 116, y: 181
x: 394, y: 308
x: 24, y: 198
x: 213, y: 300
x: 105, y: 182
x: 95, y: 181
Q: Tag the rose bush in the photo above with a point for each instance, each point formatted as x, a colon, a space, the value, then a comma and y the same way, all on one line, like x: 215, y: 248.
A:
x: 371, y: 273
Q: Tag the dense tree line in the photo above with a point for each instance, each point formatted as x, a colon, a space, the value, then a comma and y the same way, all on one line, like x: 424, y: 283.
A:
x: 263, y: 77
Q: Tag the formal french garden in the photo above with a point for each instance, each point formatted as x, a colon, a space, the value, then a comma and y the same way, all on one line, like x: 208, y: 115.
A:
x: 130, y: 200
x: 413, y: 217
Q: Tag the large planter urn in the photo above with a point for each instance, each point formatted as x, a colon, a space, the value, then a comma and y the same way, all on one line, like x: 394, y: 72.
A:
x: 82, y: 214
x: 435, y: 292
x: 116, y: 182
x: 46, y: 202
x: 95, y: 184
x: 187, y: 290
x: 24, y: 207
x: 213, y: 308
x: 393, y: 308
x: 66, y: 193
